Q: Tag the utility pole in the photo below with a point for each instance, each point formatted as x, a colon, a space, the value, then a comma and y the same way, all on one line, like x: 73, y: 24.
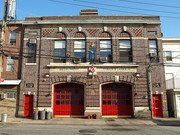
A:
x: 2, y: 41
x: 149, y: 71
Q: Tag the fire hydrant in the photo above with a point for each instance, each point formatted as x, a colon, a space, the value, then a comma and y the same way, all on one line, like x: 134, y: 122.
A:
x: 89, y: 116
x: 95, y: 116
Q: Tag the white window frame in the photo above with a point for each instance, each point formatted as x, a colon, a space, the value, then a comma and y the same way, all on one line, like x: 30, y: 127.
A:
x: 12, y: 37
x: 10, y: 64
x: 125, y: 48
x: 80, y: 46
x: 11, y: 95
x: 59, y: 45
x: 106, y: 46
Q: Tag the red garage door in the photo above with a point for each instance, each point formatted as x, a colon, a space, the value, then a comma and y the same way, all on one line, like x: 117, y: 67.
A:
x: 117, y: 99
x: 69, y: 99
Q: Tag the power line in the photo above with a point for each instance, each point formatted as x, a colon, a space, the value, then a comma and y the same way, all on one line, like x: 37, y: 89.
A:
x: 136, y: 13
x: 153, y: 4
x: 141, y: 9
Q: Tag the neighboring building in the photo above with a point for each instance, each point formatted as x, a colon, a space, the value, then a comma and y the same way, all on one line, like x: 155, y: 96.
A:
x: 11, y: 64
x: 57, y: 74
x: 171, y: 49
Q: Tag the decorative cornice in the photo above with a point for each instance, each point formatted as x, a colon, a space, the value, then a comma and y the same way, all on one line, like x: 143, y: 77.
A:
x: 48, y: 22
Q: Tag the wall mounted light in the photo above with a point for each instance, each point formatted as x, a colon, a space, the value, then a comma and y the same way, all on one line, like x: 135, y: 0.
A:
x: 137, y: 75
x: 46, y: 75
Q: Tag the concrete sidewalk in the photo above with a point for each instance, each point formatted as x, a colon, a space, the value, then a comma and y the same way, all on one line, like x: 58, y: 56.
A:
x: 97, y: 122
x: 82, y: 121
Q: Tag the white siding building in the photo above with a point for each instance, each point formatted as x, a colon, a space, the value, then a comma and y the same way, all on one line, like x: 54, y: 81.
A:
x: 171, y: 49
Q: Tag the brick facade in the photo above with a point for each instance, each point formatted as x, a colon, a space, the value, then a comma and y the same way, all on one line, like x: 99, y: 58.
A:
x: 13, y: 50
x: 46, y: 31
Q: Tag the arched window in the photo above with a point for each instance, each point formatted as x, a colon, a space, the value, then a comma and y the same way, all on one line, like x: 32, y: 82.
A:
x: 31, y: 50
x: 125, y: 47
x: 60, y: 49
x: 79, y: 48
x: 105, y: 47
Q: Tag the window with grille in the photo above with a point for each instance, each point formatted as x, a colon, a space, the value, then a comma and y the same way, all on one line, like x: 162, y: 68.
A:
x: 10, y: 64
x: 125, y: 50
x: 11, y: 95
x: 31, y: 48
x: 80, y: 50
x: 13, y: 38
x: 105, y: 51
x: 60, y: 51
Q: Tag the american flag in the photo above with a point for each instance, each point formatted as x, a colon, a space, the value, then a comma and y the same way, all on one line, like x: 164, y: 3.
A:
x: 92, y: 69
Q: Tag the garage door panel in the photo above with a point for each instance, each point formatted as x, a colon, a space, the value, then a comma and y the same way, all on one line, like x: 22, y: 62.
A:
x: 116, y: 99
x: 69, y: 99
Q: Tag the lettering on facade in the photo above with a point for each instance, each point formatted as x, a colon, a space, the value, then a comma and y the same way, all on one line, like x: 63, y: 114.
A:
x: 156, y: 85
x: 98, y: 69
x: 29, y: 85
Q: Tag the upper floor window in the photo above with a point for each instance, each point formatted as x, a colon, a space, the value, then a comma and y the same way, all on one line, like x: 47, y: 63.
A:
x: 125, y: 50
x: 31, y: 48
x: 168, y: 55
x: 10, y: 64
x: 152, y: 33
x: 60, y: 51
x: 79, y: 51
x: 12, y: 38
x: 153, y: 53
x: 105, y: 51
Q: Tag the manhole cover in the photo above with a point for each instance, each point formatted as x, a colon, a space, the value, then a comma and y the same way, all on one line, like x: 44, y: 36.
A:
x: 4, y: 134
x: 87, y: 131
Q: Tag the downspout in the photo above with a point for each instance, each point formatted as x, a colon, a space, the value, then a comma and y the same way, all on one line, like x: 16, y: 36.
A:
x: 39, y: 63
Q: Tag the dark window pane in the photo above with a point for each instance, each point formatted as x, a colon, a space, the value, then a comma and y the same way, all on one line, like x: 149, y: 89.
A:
x: 104, y: 102
x: 121, y: 102
x: 67, y: 96
x: 76, y: 91
x: 31, y: 58
x: 63, y: 91
x: 76, y: 97
x: 57, y: 102
x: 104, y: 91
x: 104, y: 96
x: 79, y: 54
x: 62, y: 96
x: 67, y: 102
x: 81, y: 102
x: 127, y: 96
x: 113, y: 102
x: 58, y: 91
x: 109, y: 102
x: 62, y: 102
x: 127, y: 101
x: 114, y: 96
x: 58, y: 97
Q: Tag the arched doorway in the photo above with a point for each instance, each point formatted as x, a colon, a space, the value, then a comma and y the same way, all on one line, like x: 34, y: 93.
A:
x: 68, y: 99
x: 117, y: 99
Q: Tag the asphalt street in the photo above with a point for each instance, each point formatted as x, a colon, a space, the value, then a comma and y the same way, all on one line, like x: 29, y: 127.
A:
x: 37, y: 129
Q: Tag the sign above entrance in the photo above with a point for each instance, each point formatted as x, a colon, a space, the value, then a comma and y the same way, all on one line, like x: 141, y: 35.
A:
x: 95, y: 68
